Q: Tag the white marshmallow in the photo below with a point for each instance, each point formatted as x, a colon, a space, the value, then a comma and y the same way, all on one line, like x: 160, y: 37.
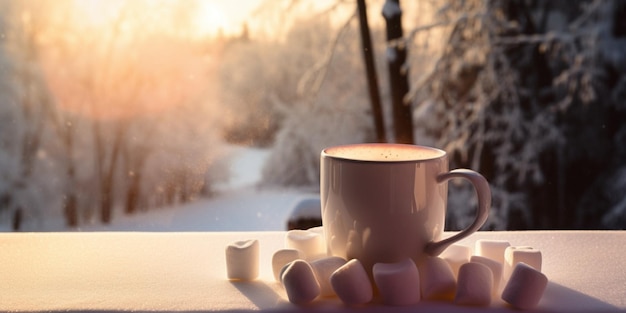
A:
x: 323, y: 268
x: 318, y: 230
x: 351, y: 283
x: 514, y: 255
x: 436, y: 279
x: 456, y: 255
x: 475, y: 285
x: 300, y: 282
x: 310, y: 244
x: 398, y: 283
x: 281, y: 258
x: 242, y: 260
x: 494, y: 266
x: 493, y: 249
x: 525, y: 288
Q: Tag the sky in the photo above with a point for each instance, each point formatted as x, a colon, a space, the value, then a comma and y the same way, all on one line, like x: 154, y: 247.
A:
x: 206, y: 16
x: 227, y: 15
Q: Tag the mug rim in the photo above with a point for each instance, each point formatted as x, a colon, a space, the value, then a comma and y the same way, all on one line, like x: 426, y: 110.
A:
x: 326, y: 153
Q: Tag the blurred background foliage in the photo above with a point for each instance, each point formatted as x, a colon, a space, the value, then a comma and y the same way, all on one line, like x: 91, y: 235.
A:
x: 122, y: 107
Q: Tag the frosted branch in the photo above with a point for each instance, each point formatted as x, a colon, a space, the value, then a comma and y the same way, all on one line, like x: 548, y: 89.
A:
x: 404, y: 41
x: 589, y: 11
x: 533, y: 39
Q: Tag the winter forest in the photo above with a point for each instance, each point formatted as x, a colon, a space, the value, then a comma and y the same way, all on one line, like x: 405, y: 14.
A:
x: 115, y: 108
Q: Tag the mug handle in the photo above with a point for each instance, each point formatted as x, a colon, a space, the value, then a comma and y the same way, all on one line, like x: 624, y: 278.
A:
x: 482, y: 211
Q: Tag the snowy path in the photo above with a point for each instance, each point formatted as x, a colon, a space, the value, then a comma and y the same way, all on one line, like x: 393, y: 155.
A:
x: 239, y: 210
x: 239, y: 205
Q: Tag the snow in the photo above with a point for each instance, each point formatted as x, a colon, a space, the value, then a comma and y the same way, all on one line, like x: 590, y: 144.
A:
x: 239, y: 205
x: 307, y: 208
x: 245, y: 167
x: 186, y: 272
x: 245, y: 209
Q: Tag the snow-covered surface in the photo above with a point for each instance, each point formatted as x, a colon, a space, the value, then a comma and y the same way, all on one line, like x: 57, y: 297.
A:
x: 244, y: 209
x: 158, y: 272
x: 245, y: 167
x: 239, y: 204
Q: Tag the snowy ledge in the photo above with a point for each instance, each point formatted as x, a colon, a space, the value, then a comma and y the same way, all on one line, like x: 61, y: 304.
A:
x: 142, y: 271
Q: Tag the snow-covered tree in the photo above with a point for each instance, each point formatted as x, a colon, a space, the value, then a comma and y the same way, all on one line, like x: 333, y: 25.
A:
x: 525, y: 92
x: 529, y: 93
x: 102, y: 115
x: 25, y: 108
x: 331, y: 107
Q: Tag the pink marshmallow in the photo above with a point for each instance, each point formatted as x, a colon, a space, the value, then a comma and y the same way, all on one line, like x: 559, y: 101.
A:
x: 525, y: 287
x: 493, y: 249
x: 494, y: 266
x: 517, y: 254
x: 300, y: 282
x: 351, y: 283
x: 474, y: 286
x: 323, y: 268
x: 456, y: 255
x: 281, y: 258
x: 398, y: 283
x: 437, y: 280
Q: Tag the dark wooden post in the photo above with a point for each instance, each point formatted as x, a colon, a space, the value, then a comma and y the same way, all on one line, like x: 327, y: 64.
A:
x: 370, y: 68
x: 398, y: 73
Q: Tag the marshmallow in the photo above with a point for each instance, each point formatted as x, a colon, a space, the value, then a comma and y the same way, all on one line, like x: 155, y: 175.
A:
x: 281, y: 258
x: 242, y: 260
x: 456, y: 255
x: 493, y: 249
x: 323, y: 268
x: 300, y: 282
x: 436, y: 279
x: 525, y: 287
x: 494, y: 266
x: 317, y: 229
x: 514, y: 255
x: 351, y: 283
x: 474, y: 285
x: 320, y: 230
x: 398, y: 283
x: 310, y: 244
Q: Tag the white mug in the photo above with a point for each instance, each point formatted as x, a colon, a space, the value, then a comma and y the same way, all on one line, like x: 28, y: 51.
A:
x: 386, y: 202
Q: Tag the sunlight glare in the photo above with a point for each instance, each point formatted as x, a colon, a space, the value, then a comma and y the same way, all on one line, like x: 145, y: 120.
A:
x: 97, y: 12
x: 210, y: 19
